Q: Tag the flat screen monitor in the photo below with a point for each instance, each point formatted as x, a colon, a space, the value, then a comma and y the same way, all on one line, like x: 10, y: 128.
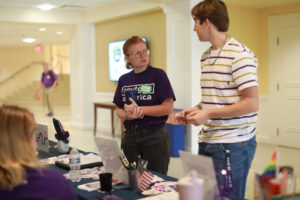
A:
x: 116, y: 60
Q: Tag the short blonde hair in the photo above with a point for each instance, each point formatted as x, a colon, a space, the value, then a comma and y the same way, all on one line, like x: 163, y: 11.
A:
x: 17, y: 152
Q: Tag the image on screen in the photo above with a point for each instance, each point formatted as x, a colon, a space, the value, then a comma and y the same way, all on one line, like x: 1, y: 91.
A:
x: 116, y: 60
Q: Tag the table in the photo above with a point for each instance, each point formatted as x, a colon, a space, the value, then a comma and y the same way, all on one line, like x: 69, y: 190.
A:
x: 110, y: 106
x: 125, y: 194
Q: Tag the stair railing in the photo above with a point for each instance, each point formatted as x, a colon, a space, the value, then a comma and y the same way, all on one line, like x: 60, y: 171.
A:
x: 59, y: 65
x: 20, y: 71
x: 9, y: 80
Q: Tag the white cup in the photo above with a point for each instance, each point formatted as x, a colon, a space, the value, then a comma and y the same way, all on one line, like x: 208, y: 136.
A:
x: 62, y: 147
x: 190, y: 189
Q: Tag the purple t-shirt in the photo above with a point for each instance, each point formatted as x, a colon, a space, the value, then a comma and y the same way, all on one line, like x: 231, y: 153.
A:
x: 153, y: 87
x: 48, y: 78
x: 43, y: 185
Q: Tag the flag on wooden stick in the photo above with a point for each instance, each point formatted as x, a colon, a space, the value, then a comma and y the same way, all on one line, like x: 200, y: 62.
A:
x: 143, y: 176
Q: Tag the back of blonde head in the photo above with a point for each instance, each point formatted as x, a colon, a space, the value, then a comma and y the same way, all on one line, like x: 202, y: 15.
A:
x: 17, y: 151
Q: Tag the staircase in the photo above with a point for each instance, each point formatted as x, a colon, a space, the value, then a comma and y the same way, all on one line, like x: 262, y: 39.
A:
x: 24, y: 97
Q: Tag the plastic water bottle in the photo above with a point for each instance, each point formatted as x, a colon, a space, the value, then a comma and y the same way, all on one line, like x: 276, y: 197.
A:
x: 290, y: 187
x: 75, y: 165
x: 291, y: 181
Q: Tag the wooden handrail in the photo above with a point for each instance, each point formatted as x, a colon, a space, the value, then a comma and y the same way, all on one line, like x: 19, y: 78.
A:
x: 21, y: 70
x: 31, y: 64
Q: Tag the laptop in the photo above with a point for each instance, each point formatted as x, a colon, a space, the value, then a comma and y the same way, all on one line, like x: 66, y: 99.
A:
x: 110, y: 152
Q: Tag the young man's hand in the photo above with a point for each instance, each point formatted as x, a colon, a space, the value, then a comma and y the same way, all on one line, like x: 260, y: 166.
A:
x: 180, y: 117
x: 197, y: 117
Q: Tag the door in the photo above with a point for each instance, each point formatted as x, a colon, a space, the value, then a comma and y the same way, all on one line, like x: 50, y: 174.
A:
x: 287, y: 80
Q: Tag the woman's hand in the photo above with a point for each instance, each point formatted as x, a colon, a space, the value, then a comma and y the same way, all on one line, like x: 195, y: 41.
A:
x: 133, y: 111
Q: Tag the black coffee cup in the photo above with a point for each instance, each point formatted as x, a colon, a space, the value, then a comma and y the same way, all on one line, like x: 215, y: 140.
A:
x: 105, y: 182
x: 131, y: 94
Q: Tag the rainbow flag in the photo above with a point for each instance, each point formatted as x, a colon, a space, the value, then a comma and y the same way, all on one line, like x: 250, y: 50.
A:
x: 272, y: 169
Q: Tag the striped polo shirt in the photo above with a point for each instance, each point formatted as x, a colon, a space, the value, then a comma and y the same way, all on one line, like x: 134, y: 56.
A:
x: 223, y: 76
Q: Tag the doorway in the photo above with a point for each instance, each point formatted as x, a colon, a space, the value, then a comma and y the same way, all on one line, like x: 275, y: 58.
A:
x: 284, y: 62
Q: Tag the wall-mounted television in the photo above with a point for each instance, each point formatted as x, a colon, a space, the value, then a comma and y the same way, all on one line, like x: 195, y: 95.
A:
x: 116, y: 60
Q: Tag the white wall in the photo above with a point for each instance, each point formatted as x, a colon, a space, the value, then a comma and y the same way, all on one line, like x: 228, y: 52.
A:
x: 183, y: 61
x: 82, y: 51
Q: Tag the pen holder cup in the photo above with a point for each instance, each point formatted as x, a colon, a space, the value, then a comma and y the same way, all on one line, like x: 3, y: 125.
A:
x: 62, y: 147
x: 132, y: 179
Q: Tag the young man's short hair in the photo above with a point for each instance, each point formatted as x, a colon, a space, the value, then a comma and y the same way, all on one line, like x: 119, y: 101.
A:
x: 213, y: 10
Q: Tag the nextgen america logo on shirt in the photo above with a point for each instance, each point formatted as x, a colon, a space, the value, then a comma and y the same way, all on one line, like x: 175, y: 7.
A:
x: 144, y: 91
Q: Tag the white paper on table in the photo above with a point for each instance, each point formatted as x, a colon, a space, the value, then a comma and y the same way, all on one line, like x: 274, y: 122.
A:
x: 89, y: 158
x: 160, y: 188
x: 49, y: 161
x: 89, y: 186
x: 205, y: 168
x: 92, y: 172
x: 84, y: 159
x: 165, y: 196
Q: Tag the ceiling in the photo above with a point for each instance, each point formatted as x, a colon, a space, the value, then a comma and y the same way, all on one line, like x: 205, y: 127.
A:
x: 69, y: 4
x: 11, y: 34
x: 86, y: 4
x: 12, y: 31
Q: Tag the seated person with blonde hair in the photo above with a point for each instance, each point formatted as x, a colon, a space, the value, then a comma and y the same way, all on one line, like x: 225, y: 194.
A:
x: 21, y: 174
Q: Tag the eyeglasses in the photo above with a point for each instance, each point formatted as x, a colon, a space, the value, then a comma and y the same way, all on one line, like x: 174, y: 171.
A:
x: 138, y: 53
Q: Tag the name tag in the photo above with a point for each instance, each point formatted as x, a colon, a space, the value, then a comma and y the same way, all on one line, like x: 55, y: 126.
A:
x: 146, y: 89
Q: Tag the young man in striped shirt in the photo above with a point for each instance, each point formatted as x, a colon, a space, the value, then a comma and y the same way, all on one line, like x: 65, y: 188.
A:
x: 228, y: 110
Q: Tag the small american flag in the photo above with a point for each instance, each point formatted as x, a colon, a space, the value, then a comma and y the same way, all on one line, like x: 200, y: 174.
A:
x: 144, y: 179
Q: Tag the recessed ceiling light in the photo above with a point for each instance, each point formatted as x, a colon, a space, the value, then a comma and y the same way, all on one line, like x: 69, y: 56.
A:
x: 46, y: 7
x: 59, y: 33
x: 42, y: 29
x: 28, y: 40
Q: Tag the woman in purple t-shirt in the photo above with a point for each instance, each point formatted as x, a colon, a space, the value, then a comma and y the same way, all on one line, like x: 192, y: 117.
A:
x: 144, y: 99
x: 21, y: 174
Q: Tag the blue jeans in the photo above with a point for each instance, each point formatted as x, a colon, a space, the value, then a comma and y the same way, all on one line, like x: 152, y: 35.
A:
x: 239, y: 157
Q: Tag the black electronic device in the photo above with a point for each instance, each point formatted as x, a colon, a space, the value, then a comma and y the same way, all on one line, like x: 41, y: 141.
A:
x: 61, y: 134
